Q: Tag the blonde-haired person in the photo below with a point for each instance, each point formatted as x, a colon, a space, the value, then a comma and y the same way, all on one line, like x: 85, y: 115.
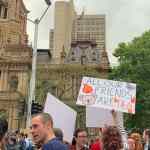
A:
x: 138, y: 141
x: 131, y: 143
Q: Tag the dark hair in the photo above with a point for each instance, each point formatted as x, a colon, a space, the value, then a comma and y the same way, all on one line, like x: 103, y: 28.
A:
x: 58, y: 133
x: 3, y: 127
x: 25, y: 135
x: 112, y: 138
x: 22, y: 134
x: 76, y: 135
x: 78, y: 131
x: 13, y: 139
x: 45, y: 117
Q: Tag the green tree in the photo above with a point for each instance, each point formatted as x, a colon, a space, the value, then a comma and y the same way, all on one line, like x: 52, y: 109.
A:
x: 134, y: 66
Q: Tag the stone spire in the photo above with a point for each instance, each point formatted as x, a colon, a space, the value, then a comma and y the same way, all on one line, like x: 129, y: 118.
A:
x: 104, y: 60
x: 63, y: 55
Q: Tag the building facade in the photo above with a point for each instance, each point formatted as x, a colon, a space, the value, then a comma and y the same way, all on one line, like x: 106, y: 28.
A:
x: 43, y: 56
x: 70, y: 27
x: 15, y: 61
x: 60, y: 36
x: 83, y: 53
x: 90, y: 28
x: 77, y: 51
x: 13, y: 20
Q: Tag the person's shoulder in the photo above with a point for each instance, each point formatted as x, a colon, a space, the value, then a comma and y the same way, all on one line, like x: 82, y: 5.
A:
x: 55, y: 144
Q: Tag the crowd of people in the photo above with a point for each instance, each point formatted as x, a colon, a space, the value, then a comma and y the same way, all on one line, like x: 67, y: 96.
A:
x: 13, y: 140
x: 45, y: 137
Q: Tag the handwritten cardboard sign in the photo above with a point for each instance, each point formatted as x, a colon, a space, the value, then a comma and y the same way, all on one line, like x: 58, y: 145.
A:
x: 108, y: 94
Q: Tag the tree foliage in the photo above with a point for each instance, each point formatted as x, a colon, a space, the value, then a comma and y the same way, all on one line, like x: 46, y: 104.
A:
x: 134, y: 66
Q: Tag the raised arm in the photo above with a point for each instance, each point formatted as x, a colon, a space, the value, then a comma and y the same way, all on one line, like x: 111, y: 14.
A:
x: 118, y: 122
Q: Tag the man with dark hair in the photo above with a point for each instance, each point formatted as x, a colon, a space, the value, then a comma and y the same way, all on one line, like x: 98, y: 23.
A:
x: 146, y: 137
x: 80, y: 140
x: 58, y: 133
x: 21, y: 141
x: 43, y: 134
x: 3, y: 130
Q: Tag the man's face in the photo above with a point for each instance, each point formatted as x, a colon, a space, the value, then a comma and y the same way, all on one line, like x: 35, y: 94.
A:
x: 131, y: 144
x: 39, y: 130
x: 81, y: 138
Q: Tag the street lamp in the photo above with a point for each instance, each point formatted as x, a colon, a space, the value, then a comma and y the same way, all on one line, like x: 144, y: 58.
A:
x: 34, y: 58
x: 48, y: 2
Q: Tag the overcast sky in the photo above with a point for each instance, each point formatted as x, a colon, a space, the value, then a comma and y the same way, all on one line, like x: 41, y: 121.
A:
x: 125, y: 19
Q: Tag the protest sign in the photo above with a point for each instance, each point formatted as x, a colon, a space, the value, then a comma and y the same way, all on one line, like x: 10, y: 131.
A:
x: 63, y: 116
x: 108, y: 94
x: 100, y: 117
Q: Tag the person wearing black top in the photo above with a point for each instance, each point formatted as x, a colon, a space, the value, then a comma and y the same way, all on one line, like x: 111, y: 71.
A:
x: 3, y: 130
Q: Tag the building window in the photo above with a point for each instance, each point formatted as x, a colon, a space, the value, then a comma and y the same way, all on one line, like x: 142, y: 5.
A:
x: 94, y: 53
x: 73, y: 59
x: 0, y: 10
x: 13, y: 83
x: 83, y: 60
x: 5, y: 13
x: 9, y: 40
x: 16, y: 3
x: 93, y: 59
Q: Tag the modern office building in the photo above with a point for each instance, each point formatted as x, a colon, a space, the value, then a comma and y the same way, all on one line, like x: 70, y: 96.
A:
x: 60, y: 36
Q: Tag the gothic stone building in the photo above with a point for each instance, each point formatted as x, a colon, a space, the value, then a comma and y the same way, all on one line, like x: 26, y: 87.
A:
x: 64, y: 80
x: 15, y: 61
